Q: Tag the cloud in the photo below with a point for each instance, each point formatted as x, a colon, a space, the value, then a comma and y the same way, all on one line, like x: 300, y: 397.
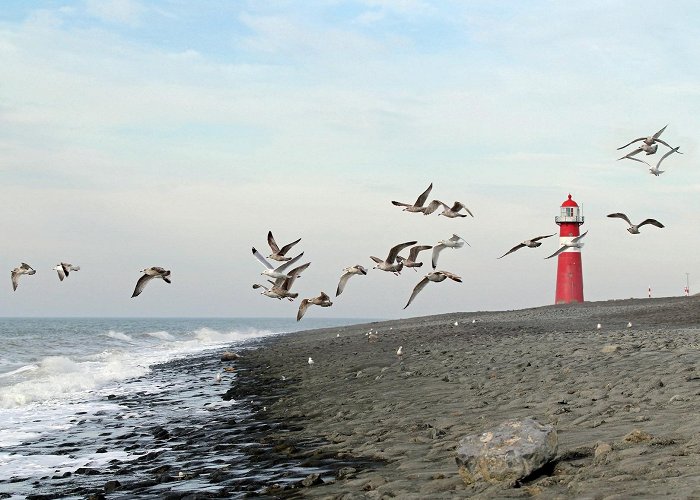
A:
x: 128, y: 12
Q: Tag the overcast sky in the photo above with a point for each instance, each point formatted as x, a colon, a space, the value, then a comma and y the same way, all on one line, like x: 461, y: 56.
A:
x: 177, y: 133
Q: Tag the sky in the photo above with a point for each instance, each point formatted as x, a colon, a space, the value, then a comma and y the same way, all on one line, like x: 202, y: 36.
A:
x: 176, y: 134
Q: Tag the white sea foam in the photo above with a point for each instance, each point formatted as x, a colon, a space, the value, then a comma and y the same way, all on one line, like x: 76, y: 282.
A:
x: 19, y: 370
x: 161, y: 335
x: 119, y: 336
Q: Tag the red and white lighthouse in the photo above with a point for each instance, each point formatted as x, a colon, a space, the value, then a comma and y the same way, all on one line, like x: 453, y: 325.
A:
x: 569, y: 270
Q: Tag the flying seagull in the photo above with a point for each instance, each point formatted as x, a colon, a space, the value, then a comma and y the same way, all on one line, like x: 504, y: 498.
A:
x: 531, y: 243
x: 649, y: 145
x: 654, y: 170
x: 278, y: 253
x: 435, y: 277
x: 275, y: 272
x: 389, y: 265
x: 418, y: 205
x: 282, y: 286
x: 413, y: 255
x: 64, y: 269
x: 322, y: 300
x: 574, y: 243
x: 149, y: 274
x: 454, y: 210
x: 634, y: 228
x: 19, y: 271
x: 454, y: 242
x: 349, y: 272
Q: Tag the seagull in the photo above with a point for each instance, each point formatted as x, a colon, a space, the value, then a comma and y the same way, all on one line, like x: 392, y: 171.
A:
x: 217, y: 379
x: 19, y: 271
x: 454, y: 242
x: 149, y: 274
x: 634, y: 228
x: 275, y: 272
x: 456, y: 323
x: 268, y: 292
x: 574, y: 243
x: 63, y: 269
x: 418, y: 205
x: 277, y: 252
x: 389, y: 265
x: 281, y: 286
x: 531, y: 243
x: 453, y: 211
x: 311, y: 361
x: 654, y: 170
x: 412, y: 256
x: 629, y: 324
x: 599, y: 326
x: 434, y: 276
x: 649, y: 145
x: 322, y: 300
x: 349, y: 272
x: 399, y: 351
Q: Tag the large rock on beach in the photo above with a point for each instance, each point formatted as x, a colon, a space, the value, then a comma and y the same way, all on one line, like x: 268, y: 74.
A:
x: 229, y: 356
x: 513, y: 450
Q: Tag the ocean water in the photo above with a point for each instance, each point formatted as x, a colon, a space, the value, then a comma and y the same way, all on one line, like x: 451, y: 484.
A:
x: 58, y: 373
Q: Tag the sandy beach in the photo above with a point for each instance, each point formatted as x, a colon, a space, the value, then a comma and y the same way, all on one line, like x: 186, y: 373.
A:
x: 623, y: 399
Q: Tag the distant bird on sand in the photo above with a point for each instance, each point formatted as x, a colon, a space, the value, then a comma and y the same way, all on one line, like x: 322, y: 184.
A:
x: 149, y: 274
x: 454, y: 242
x: 64, y: 269
x: 435, y: 277
x: 311, y: 361
x: 19, y: 271
x: 531, y: 243
x: 322, y: 300
x: 217, y: 379
x: 574, y: 243
x: 277, y: 252
x: 599, y: 326
x: 649, y: 145
x: 418, y: 205
x: 399, y: 351
x: 629, y: 324
x: 389, y: 265
x: 634, y: 228
x: 412, y: 256
x: 275, y: 272
x: 654, y: 170
x: 348, y: 273
x: 454, y: 210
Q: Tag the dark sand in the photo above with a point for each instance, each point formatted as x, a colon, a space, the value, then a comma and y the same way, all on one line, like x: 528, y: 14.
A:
x: 596, y: 386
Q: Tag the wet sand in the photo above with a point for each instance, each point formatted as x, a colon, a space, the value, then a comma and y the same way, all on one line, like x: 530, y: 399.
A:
x: 624, y: 400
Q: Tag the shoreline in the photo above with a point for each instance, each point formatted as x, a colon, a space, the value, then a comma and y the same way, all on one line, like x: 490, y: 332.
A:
x: 359, y: 400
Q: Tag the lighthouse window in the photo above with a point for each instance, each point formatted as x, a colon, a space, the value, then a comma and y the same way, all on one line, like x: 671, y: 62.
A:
x: 568, y: 211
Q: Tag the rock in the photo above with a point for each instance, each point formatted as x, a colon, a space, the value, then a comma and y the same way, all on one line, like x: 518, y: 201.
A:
x: 602, y: 450
x: 229, y: 356
x: 513, y: 450
x: 610, y: 348
x: 159, y: 432
x: 345, y: 472
x: 637, y: 436
x: 311, y: 480
x: 111, y: 486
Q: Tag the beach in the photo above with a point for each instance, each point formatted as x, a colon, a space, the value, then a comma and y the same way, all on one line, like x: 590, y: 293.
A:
x: 622, y: 399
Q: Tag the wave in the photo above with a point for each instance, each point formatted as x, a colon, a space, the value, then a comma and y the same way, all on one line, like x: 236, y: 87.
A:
x: 19, y: 370
x: 161, y: 335
x: 119, y: 336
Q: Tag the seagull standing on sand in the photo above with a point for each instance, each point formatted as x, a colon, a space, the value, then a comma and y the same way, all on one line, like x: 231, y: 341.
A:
x: 654, y: 170
x: 454, y: 242
x: 454, y: 210
x: 399, y: 352
x: 531, y: 243
x: 349, y: 272
x: 322, y: 300
x: 311, y: 362
x: 649, y: 145
x: 418, y: 205
x: 574, y: 243
x: 389, y: 265
x: 599, y: 326
x: 278, y: 253
x: 64, y: 269
x: 275, y: 272
x: 629, y: 324
x: 149, y: 274
x: 634, y: 228
x: 435, y: 277
x: 19, y: 271
x: 413, y: 255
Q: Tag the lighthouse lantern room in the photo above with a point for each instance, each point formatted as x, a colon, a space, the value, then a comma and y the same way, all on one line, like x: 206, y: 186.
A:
x: 569, y: 269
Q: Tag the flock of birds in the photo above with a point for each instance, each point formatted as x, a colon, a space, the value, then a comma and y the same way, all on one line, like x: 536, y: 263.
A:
x: 280, y: 278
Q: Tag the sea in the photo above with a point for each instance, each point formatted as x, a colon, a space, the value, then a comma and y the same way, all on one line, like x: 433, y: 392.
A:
x: 73, y: 390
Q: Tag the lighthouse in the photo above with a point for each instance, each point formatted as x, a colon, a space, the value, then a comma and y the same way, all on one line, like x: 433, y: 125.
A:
x: 569, y: 270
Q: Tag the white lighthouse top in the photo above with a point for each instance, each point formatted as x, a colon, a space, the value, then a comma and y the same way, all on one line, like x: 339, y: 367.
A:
x: 570, y: 213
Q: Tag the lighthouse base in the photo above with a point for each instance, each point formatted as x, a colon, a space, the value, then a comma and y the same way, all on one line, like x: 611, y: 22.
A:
x: 569, y: 278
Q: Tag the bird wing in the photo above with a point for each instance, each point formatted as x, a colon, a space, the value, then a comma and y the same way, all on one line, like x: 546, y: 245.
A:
x: 632, y: 142
x: 262, y: 259
x: 516, y: 247
x: 400, y: 204
x: 27, y: 267
x: 256, y: 286
x: 561, y: 249
x: 424, y: 196
x: 620, y: 216
x: 66, y: 268
x: 293, y: 275
x: 273, y: 244
x: 324, y: 297
x: 578, y: 238
x: 451, y: 276
x: 142, y: 282
x: 628, y: 157
x: 436, y: 253
x: 413, y: 254
x: 669, y: 153
x: 284, y: 266
x: 341, y: 284
x: 302, y: 309
x: 286, y: 247
x: 665, y: 143
x: 543, y: 237
x: 61, y: 274
x: 432, y: 206
x: 653, y: 222
x: 396, y: 249
x: 459, y: 206
x: 416, y: 290
x: 15, y: 279
x: 656, y: 135
x: 376, y: 259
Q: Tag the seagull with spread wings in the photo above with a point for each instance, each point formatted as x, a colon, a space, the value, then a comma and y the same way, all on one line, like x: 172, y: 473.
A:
x: 435, y: 277
x: 531, y: 243
x: 418, y: 205
x: 148, y: 274
x: 348, y: 273
x: 412, y: 256
x: 19, y: 271
x: 634, y: 228
x: 275, y: 272
x: 278, y: 253
x: 649, y: 144
x: 573, y: 243
x: 389, y: 263
x: 654, y: 170
x: 322, y: 300
x: 454, y: 242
